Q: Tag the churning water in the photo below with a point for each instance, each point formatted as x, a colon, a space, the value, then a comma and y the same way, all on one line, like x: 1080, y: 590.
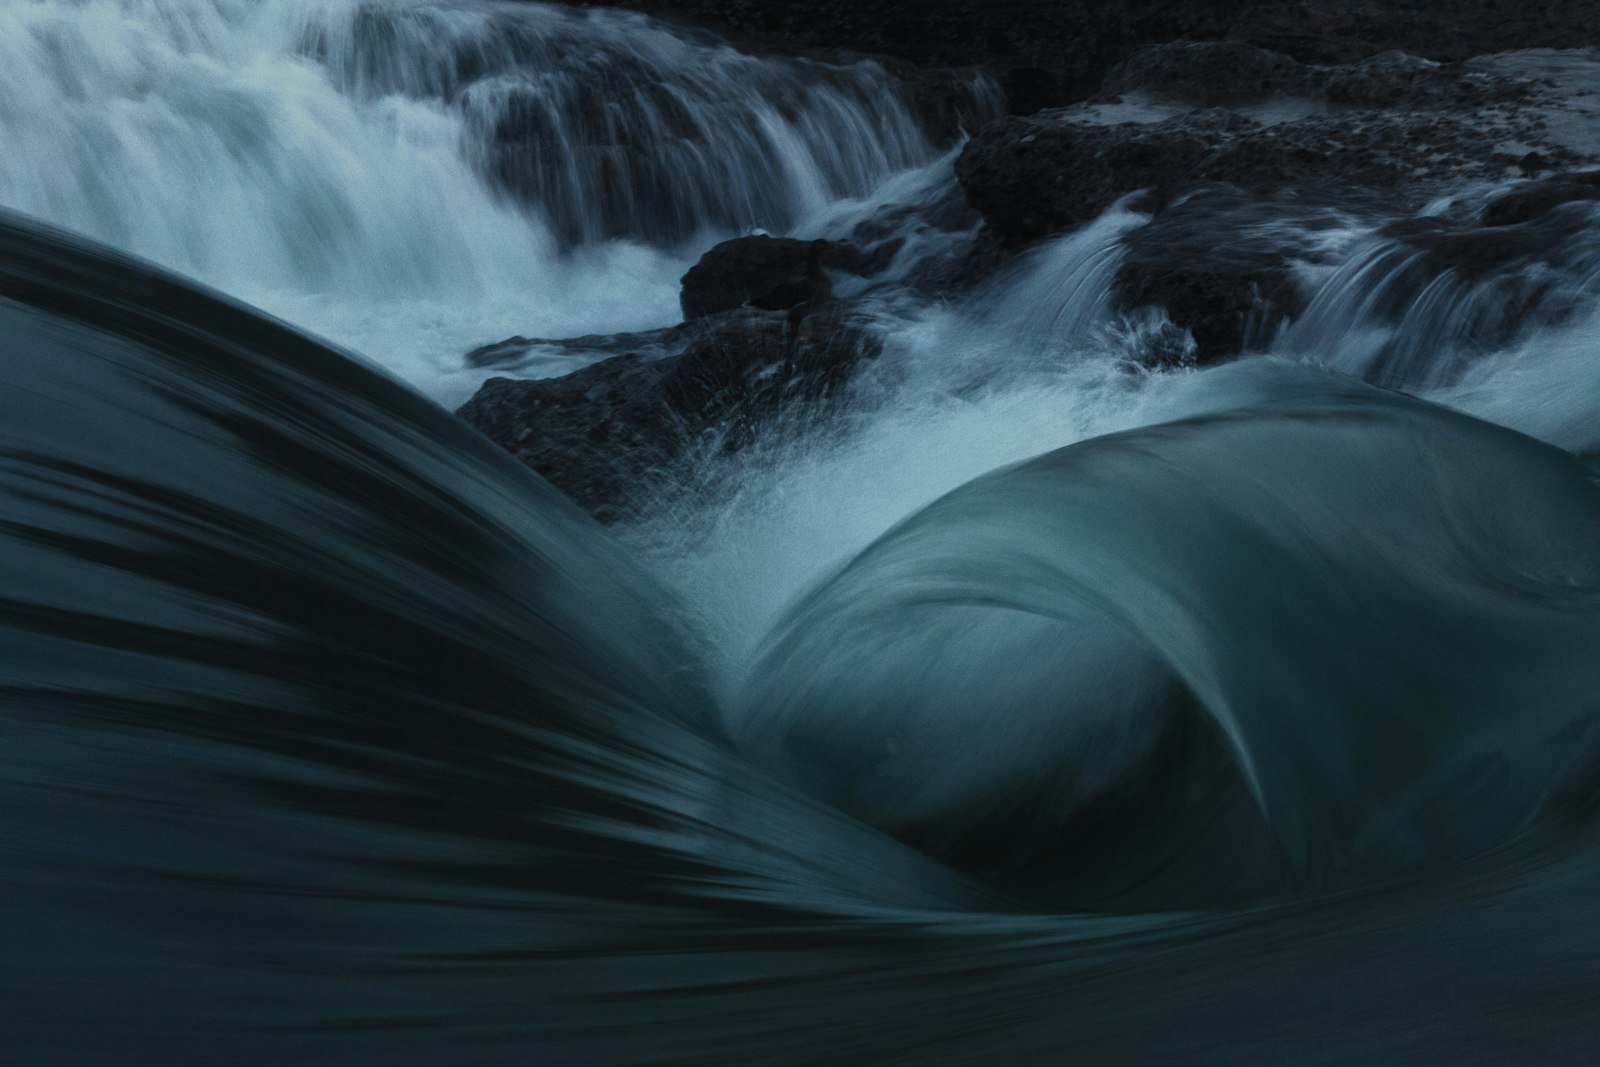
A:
x: 1025, y: 705
x: 414, y: 179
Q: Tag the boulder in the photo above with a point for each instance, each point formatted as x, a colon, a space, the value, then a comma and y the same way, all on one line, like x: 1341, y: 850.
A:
x: 1043, y: 54
x: 595, y: 434
x: 1212, y: 73
x: 1395, y: 160
x: 732, y: 272
x: 1219, y: 269
x: 1528, y: 202
x: 1035, y: 176
x: 1207, y: 73
x: 608, y: 434
x: 1046, y: 173
x: 1339, y: 31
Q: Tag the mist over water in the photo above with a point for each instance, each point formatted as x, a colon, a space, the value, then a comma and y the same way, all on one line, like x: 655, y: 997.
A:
x: 1033, y: 361
x: 1040, y: 696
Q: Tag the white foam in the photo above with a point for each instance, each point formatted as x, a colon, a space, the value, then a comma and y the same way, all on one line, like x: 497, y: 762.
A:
x: 330, y: 162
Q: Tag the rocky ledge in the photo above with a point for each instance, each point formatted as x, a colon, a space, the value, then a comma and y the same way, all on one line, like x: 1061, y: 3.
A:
x: 605, y: 434
x: 1236, y: 150
x: 1048, y: 53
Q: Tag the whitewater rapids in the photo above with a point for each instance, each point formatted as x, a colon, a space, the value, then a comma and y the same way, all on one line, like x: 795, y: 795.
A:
x: 1025, y: 706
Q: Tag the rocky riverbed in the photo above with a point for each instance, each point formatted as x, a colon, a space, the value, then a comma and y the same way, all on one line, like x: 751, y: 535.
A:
x: 1245, y: 151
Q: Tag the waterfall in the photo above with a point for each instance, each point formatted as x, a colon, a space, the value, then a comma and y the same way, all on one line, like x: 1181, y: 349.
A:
x: 413, y: 178
x: 1027, y: 697
x: 1419, y: 302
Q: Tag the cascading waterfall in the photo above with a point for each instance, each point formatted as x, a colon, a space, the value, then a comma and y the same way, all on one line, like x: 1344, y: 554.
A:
x: 413, y: 178
x: 1415, y: 307
x: 611, y: 127
x: 1024, y: 703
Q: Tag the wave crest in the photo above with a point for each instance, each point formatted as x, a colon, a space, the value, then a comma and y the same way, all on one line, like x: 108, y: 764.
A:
x: 1386, y: 640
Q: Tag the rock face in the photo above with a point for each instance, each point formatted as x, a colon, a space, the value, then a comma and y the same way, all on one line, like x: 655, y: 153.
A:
x: 1393, y: 159
x: 732, y: 272
x: 1043, y: 53
x: 1206, y: 73
x: 1535, y: 199
x: 1035, y: 176
x: 604, y: 434
x: 592, y: 434
x: 1232, y: 149
x: 1220, y: 73
x: 1337, y: 31
x: 1047, y: 54
x: 1219, y: 268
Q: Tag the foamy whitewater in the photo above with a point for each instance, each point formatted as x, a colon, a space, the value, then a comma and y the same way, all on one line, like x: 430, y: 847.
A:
x: 1022, y: 704
x: 411, y: 179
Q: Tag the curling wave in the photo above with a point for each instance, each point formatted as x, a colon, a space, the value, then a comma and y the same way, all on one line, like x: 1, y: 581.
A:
x: 332, y: 734
x: 1390, y: 647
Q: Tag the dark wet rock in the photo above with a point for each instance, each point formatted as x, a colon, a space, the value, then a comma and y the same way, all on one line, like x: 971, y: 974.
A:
x: 1207, y: 73
x: 593, y: 434
x: 1029, y: 89
x: 1034, y: 176
x: 1533, y: 163
x: 1221, y: 265
x: 948, y: 102
x: 947, y: 212
x: 1211, y: 73
x: 733, y: 372
x: 607, y: 434
x: 517, y: 351
x: 733, y: 272
x: 1384, y: 135
x: 1397, y: 157
x: 1536, y: 198
x: 1031, y: 177
x: 1456, y: 288
x: 1381, y: 80
x: 1337, y: 31
x: 1399, y: 79
x: 942, y: 229
x: 1043, y: 54
x: 1051, y: 54
x: 1556, y: 242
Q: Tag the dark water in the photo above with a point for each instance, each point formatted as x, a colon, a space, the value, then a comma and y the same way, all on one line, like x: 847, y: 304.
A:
x: 332, y: 735
x: 1261, y: 724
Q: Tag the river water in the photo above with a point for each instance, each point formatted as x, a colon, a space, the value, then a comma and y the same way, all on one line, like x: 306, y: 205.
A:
x: 1025, y: 705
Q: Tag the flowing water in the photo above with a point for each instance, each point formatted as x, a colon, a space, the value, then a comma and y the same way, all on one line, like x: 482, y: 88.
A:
x: 413, y: 179
x: 1023, y: 705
